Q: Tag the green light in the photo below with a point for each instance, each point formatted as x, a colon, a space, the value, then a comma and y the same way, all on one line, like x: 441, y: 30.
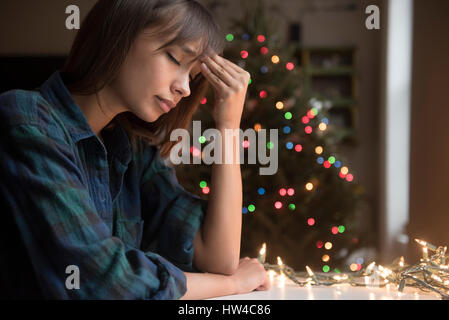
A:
x: 341, y: 229
x: 203, y: 184
x: 337, y: 270
x: 331, y: 159
x: 250, y: 80
x: 229, y: 37
x: 202, y: 139
x: 314, y: 111
x: 291, y: 206
x: 270, y: 145
x: 251, y: 208
x: 326, y: 268
x: 288, y: 115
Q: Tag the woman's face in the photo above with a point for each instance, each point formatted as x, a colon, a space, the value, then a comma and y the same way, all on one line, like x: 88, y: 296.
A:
x: 148, y: 75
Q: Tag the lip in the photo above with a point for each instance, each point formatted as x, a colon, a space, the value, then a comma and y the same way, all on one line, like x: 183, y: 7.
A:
x: 168, y: 103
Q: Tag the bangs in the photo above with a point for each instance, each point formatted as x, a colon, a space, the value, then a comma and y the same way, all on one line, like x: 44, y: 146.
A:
x: 189, y: 22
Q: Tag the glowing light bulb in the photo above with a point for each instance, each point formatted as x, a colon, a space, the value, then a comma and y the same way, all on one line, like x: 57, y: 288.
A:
x: 257, y: 127
x: 344, y: 170
x: 319, y: 150
x: 305, y: 119
x: 325, y: 258
x: 322, y: 126
x: 275, y: 59
x: 206, y: 190
x: 309, y: 186
x: 311, y: 221
x: 279, y: 105
x: 261, y: 38
x: 328, y: 245
x: 263, y: 94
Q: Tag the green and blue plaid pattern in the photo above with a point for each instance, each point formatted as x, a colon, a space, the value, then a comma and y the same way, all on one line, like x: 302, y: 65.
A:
x: 117, y: 213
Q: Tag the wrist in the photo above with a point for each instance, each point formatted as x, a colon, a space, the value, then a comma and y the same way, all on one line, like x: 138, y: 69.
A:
x: 228, y: 125
x: 232, y: 284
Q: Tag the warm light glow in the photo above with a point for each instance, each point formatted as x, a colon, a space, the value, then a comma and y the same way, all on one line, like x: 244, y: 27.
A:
x: 278, y: 204
x: 282, y: 192
x: 322, y: 126
x: 290, y: 66
x: 257, y: 127
x: 290, y: 191
x: 309, y: 271
x: 280, y: 263
x: 425, y: 253
x: 353, y: 267
x: 309, y: 186
x: 275, y: 59
x: 328, y: 245
x: 308, y: 129
x: 279, y: 105
x: 401, y: 262
x: 244, y: 54
x: 325, y: 258
x: 319, y: 150
x: 263, y: 249
x: 344, y: 170
x: 311, y: 221
x: 298, y: 148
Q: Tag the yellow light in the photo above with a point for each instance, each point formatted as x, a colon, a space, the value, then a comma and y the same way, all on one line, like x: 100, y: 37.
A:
x: 279, y: 105
x: 257, y: 127
x: 325, y: 258
x: 322, y: 126
x: 319, y: 150
x: 401, y: 262
x: 309, y: 271
x: 280, y: 262
x: 275, y: 59
x: 328, y: 245
x: 425, y: 254
x: 344, y: 170
x: 437, y: 278
x: 309, y: 186
x: 263, y: 249
x: 353, y: 267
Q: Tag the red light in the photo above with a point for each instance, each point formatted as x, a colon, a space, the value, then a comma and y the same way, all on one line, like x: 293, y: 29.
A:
x: 311, y: 222
x: 341, y: 175
x: 203, y: 101
x: 355, y: 240
x: 334, y: 230
x: 308, y: 129
x: 261, y: 38
x: 327, y: 164
x: 305, y: 119
x: 290, y: 191
x: 263, y: 94
x: 359, y: 266
x: 264, y: 50
x: 282, y: 191
x: 195, y: 151
x: 310, y: 114
x: 319, y: 244
x: 298, y: 148
x: 206, y: 190
x: 349, y: 177
x: 244, y: 54
x: 290, y: 66
x: 278, y: 205
x: 245, y: 144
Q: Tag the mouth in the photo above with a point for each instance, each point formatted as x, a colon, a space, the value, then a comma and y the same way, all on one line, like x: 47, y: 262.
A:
x: 163, y: 104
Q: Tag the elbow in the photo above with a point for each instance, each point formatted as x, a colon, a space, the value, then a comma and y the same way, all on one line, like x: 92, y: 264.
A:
x: 229, y: 268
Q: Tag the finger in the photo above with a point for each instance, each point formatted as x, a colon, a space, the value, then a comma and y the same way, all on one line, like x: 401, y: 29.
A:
x: 213, y: 79
x: 228, y: 65
x: 220, y: 71
x: 235, y: 68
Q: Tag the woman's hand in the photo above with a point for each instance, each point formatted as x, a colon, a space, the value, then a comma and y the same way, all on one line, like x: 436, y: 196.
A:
x: 250, y: 275
x: 230, y: 83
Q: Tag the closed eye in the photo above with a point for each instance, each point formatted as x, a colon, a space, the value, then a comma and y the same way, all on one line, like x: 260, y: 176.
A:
x: 176, y: 61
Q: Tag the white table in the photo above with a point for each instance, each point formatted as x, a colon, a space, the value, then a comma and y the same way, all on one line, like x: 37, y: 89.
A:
x: 288, y: 290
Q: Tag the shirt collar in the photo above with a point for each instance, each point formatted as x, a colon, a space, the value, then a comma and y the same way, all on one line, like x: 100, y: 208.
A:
x: 57, y: 94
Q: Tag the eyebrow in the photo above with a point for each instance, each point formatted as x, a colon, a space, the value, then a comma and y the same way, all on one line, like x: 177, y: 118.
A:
x: 189, y: 52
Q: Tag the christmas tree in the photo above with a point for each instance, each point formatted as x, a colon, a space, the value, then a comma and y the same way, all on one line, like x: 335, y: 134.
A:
x: 308, y: 213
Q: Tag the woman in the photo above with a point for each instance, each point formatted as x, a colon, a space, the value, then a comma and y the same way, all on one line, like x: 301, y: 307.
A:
x: 92, y: 211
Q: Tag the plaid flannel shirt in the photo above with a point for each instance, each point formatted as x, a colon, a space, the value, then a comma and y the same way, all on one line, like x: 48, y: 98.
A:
x: 116, y: 213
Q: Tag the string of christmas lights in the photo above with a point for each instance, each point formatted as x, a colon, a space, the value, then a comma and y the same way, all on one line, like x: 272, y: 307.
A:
x: 430, y: 274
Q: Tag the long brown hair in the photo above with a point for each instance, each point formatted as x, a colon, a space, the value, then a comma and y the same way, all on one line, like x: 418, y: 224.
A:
x: 105, y: 38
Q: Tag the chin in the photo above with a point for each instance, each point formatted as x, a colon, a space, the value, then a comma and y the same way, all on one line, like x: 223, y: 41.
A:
x: 148, y: 113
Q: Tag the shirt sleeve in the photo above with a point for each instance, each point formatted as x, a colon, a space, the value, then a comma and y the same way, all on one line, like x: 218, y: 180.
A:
x: 175, y: 214
x: 54, y: 215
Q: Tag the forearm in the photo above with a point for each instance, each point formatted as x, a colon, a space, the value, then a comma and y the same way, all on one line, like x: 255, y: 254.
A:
x: 221, y: 230
x: 208, y: 285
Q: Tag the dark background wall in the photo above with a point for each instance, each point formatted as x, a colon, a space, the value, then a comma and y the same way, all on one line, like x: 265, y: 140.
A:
x: 429, y: 141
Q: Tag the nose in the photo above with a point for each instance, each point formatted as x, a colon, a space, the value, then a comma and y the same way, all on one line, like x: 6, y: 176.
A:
x: 182, y: 86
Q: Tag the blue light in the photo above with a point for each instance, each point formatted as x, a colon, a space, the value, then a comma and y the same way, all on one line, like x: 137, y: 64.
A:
x: 261, y: 191
x: 244, y: 210
x: 325, y: 120
x: 263, y: 69
x: 287, y: 129
x: 337, y: 164
x: 320, y: 160
x: 245, y: 36
x: 289, y: 145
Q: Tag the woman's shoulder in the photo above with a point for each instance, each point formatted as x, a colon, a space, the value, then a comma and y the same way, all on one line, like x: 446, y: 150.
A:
x: 19, y: 107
